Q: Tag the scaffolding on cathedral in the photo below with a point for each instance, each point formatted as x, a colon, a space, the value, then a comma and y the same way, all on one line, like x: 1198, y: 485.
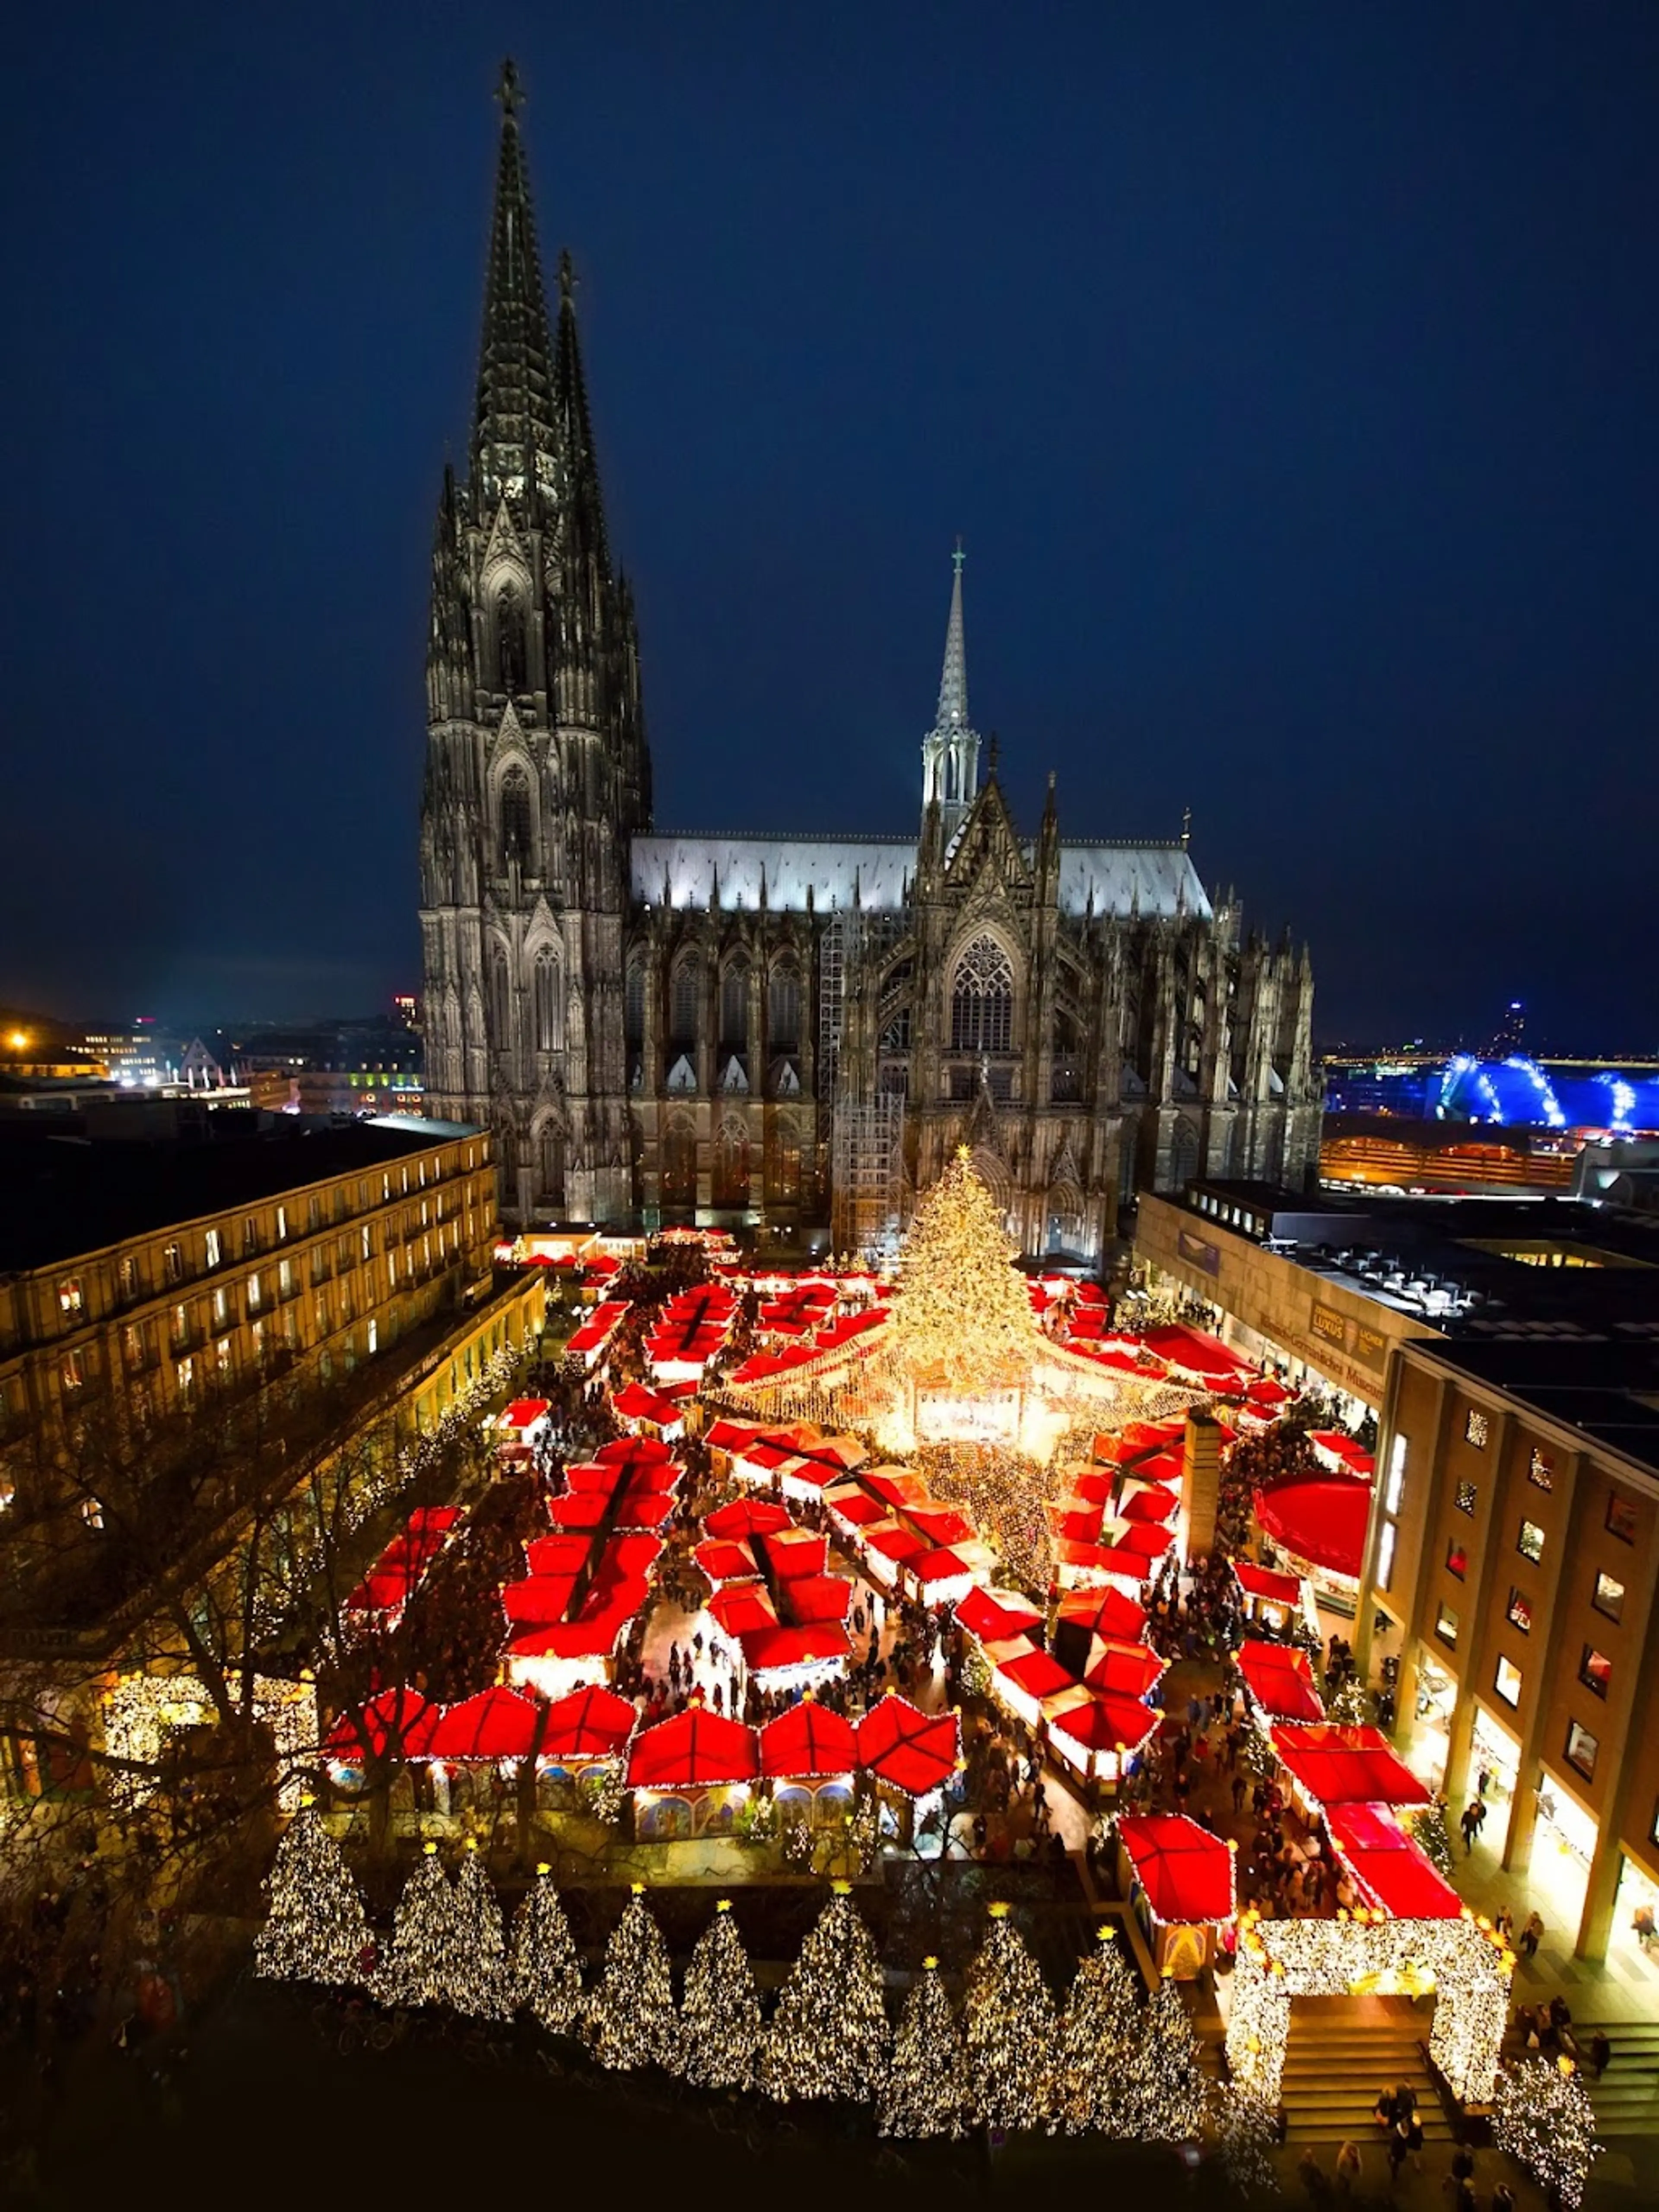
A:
x: 867, y: 1175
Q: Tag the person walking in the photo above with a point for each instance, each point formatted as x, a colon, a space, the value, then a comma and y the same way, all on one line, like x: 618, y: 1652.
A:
x: 1531, y: 1932
x: 1347, y: 2168
x: 1469, y: 1822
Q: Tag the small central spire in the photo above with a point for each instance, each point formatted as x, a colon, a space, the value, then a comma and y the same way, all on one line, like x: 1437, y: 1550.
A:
x: 508, y: 90
x: 953, y: 679
x: 950, y: 752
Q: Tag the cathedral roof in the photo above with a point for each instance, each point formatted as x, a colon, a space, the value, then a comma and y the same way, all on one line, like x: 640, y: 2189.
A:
x: 1152, y: 878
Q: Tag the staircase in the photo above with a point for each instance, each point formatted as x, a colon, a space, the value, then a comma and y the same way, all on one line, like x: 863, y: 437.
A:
x: 1626, y: 2097
x: 1341, y: 2050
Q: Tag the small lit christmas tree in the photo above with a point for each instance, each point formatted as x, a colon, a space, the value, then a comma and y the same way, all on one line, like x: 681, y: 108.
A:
x: 317, y: 1930
x: 1542, y: 2118
x: 721, y: 2013
x: 923, y: 2091
x: 547, y: 1975
x: 1008, y: 2030
x: 630, y: 2019
x: 424, y: 1964
x: 1102, y: 2021
x: 482, y: 1987
x: 963, y: 1317
x: 1162, y: 2087
x: 828, y: 2036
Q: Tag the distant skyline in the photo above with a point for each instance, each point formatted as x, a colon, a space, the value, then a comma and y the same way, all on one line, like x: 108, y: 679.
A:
x: 1292, y: 381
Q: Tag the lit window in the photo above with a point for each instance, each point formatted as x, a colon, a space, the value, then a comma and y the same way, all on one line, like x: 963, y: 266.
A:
x: 129, y: 1276
x: 211, y: 1242
x: 253, y: 1294
x: 368, y: 1248
x: 1530, y: 1543
x: 173, y: 1263
x: 70, y: 1303
x: 1621, y: 1517
x: 1582, y: 1749
x: 1464, y: 1497
x: 284, y: 1278
x: 1595, y: 1670
x: 1385, y: 1544
x: 1445, y: 1624
x: 92, y: 1513
x: 1476, y: 1429
x: 1507, y: 1682
x: 221, y: 1307
x: 374, y: 1335
x: 282, y: 1223
x: 186, y: 1374
x: 1457, y: 1560
x: 74, y: 1373
x: 1609, y: 1597
x: 181, y: 1324
x: 221, y: 1355
x: 250, y: 1237
x: 258, y: 1335
x: 1541, y: 1470
x: 1396, y: 1475
x: 1518, y: 1612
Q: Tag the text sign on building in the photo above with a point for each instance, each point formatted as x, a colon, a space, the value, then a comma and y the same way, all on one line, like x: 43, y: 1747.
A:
x: 1199, y: 1252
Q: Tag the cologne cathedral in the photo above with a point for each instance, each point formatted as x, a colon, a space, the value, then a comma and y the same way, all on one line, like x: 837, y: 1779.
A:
x: 794, y: 1031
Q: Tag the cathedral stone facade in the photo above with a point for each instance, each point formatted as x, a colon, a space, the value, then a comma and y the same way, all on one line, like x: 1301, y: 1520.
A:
x: 793, y: 1030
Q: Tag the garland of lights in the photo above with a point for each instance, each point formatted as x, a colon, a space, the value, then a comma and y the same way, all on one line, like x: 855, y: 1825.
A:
x: 1008, y: 2029
x: 924, y: 2090
x: 828, y: 2037
x: 547, y: 1975
x: 1100, y: 2024
x: 1542, y: 2118
x: 143, y: 1710
x: 424, y: 1965
x: 317, y: 1930
x: 631, y: 2018
x: 721, y: 2013
x: 482, y: 1987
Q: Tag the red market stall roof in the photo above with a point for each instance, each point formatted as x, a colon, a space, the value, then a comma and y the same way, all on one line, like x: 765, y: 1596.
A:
x: 524, y: 1412
x: 563, y: 1554
x: 1104, y: 1613
x: 1389, y: 1866
x: 398, y: 1722
x: 746, y: 1516
x: 915, y: 1751
x: 1262, y: 1583
x: 1185, y: 1872
x: 942, y: 1524
x: 729, y: 1436
x: 1193, y: 1353
x: 1105, y: 1559
x: 792, y: 1551
x: 590, y: 1723
x: 1103, y: 1721
x: 1267, y: 1390
x: 637, y: 1403
x: 1038, y: 1673
x: 1346, y: 1766
x: 695, y: 1750
x: 1154, y: 1505
x: 539, y: 1600
x: 819, y: 1598
x: 1280, y: 1680
x: 1147, y: 1539
x: 742, y: 1607
x: 894, y: 1542
x: 766, y: 1650
x: 897, y: 1486
x: 993, y: 1615
x: 1130, y: 1670
x: 497, y: 1724
x: 726, y: 1563
x: 854, y: 1506
x: 1321, y: 1520
x: 806, y: 1741
x: 942, y: 1565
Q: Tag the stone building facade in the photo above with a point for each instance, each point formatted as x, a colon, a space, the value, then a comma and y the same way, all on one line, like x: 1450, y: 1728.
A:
x: 793, y: 1029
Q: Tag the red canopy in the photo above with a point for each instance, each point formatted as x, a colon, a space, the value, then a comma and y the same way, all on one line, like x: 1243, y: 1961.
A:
x: 1280, y: 1680
x: 1039, y: 1674
x: 746, y: 1516
x: 523, y: 1412
x: 1105, y: 1613
x: 993, y: 1615
x: 1323, y: 1520
x: 1186, y: 1872
x: 1389, y: 1866
x: 916, y: 1752
x: 497, y: 1724
x: 806, y: 1740
x: 765, y: 1650
x: 397, y: 1722
x: 1145, y: 1540
x: 1191, y: 1351
x: 819, y: 1598
x: 1155, y: 1505
x: 637, y: 1403
x: 1346, y: 1766
x: 590, y: 1723
x: 1131, y: 1669
x: 1263, y: 1583
x: 741, y: 1607
x: 1106, y: 1722
x: 726, y: 1563
x: 695, y: 1750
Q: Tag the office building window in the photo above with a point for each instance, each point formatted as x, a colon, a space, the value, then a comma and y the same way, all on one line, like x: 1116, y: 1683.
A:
x: 1445, y: 1624
x: 1608, y: 1597
x: 1595, y: 1670
x: 129, y: 1275
x: 1385, y: 1544
x: 211, y: 1247
x: 253, y: 1294
x: 1530, y: 1543
x: 1464, y: 1497
x: 173, y: 1263
x: 1518, y: 1612
x: 1396, y: 1475
x: 282, y: 1223
x: 1621, y: 1517
x: 221, y: 1307
x: 1476, y: 1429
x: 1457, y: 1560
x: 1582, y: 1749
x: 1540, y: 1469
x: 1507, y: 1681
x: 185, y: 1372
x: 374, y: 1335
x: 74, y: 1372
x: 250, y: 1237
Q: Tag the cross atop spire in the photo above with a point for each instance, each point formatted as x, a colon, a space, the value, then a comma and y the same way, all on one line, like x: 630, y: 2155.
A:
x: 953, y: 679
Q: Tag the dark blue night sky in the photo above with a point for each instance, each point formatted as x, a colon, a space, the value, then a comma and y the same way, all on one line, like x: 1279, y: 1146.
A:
x: 1292, y: 373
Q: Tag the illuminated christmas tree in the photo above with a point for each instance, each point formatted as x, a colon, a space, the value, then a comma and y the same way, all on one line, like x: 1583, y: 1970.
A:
x: 630, y: 2019
x: 547, y: 1975
x: 721, y: 2013
x: 828, y: 2036
x: 424, y: 1965
x: 317, y: 1930
x: 1101, y: 2022
x: 482, y: 1987
x: 1162, y: 2086
x: 1542, y: 2118
x: 923, y: 2091
x: 1249, y: 2128
x: 964, y: 1319
x: 1008, y: 2030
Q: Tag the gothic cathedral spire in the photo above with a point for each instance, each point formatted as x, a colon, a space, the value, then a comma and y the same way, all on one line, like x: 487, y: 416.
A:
x: 516, y: 434
x: 950, y: 752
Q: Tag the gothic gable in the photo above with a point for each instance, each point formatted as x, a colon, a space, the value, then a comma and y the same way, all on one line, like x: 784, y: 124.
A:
x: 987, y: 847
x: 505, y: 549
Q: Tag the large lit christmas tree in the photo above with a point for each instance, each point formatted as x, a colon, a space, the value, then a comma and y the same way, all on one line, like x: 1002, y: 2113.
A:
x: 924, y: 2091
x: 482, y: 1987
x: 1542, y: 2118
x: 547, y: 1975
x: 317, y: 1930
x: 1162, y: 2085
x: 1100, y: 2024
x: 630, y: 2019
x: 962, y: 1321
x: 719, y: 2013
x: 828, y: 2036
x: 425, y: 1963
x: 1008, y: 2030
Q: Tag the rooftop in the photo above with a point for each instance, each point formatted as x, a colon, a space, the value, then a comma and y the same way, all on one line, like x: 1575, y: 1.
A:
x: 1608, y: 1387
x: 63, y: 1194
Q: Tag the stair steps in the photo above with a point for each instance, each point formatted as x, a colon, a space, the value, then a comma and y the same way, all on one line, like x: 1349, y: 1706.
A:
x: 1340, y: 2053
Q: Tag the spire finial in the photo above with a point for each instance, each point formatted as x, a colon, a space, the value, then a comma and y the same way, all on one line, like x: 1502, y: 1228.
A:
x: 995, y: 751
x: 566, y: 275
x: 508, y: 90
x: 958, y: 556
x: 1186, y: 827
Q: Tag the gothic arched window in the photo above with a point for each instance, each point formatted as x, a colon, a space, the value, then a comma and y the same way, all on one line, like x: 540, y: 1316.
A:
x: 634, y: 1002
x: 982, y: 1000
x: 679, y: 1164
x: 509, y: 638
x: 731, y: 1163
x: 518, y: 820
x: 682, y: 1002
x: 500, y: 1001
x: 783, y: 1012
x: 783, y: 1159
x: 734, y: 1002
x: 549, y: 1024
x: 551, y: 1164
